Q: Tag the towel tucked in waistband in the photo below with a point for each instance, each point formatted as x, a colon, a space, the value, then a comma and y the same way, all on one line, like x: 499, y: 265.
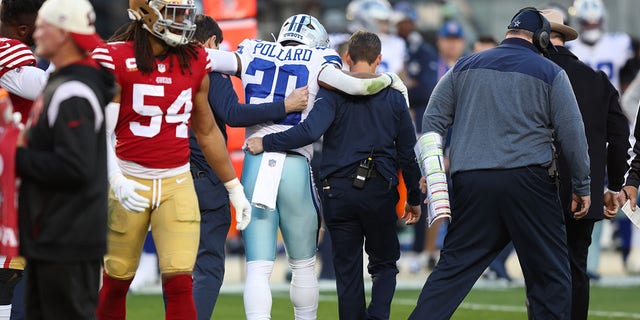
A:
x: 265, y: 192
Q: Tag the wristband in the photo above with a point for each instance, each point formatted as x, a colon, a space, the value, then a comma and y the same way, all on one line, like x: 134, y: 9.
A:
x: 606, y: 189
x: 232, y: 183
x: 625, y: 193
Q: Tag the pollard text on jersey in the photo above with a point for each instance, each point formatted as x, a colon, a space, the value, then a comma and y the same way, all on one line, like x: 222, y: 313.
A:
x: 282, y: 54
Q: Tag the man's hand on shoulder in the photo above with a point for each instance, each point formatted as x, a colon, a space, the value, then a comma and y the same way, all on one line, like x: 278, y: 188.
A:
x: 297, y: 100
x: 254, y: 145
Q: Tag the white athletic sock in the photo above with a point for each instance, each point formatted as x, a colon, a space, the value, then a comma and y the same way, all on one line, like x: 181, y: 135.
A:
x: 257, y: 293
x: 5, y: 312
x: 304, y: 288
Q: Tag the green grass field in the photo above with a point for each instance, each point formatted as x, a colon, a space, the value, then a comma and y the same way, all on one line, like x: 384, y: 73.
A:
x: 494, y: 304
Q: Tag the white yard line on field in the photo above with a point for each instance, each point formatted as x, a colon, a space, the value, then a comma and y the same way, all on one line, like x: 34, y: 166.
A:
x: 504, y: 308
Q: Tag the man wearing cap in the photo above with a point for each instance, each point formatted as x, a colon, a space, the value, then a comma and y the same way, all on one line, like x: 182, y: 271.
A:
x: 607, y: 135
x: 61, y: 159
x: 503, y: 105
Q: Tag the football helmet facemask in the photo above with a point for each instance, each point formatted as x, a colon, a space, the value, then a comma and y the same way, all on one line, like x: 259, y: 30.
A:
x: 172, y: 21
x: 304, y: 29
x: 590, y: 16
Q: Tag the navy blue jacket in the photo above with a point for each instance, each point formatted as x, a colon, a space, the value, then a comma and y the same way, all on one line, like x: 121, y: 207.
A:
x: 227, y: 110
x: 353, y: 126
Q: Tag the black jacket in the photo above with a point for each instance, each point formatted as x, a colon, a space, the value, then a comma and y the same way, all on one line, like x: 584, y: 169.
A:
x: 604, y: 124
x: 64, y: 189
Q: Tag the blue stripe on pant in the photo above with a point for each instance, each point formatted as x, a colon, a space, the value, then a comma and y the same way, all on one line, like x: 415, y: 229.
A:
x: 355, y: 216
x: 489, y: 208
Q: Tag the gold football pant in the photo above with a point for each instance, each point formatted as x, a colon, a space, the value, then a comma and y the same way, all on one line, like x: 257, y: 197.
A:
x: 174, y: 218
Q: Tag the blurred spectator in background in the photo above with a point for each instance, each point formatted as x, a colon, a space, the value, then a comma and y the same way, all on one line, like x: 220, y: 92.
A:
x: 375, y: 16
x: 420, y: 77
x: 484, y: 42
x: 110, y: 16
x: 630, y: 69
x: 451, y: 44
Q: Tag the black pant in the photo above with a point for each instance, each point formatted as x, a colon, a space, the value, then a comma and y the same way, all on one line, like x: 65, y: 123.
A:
x: 490, y: 208
x: 62, y: 290
x: 353, y: 217
x: 579, y: 240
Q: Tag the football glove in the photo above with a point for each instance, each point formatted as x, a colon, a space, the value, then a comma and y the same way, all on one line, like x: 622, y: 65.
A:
x: 397, y: 84
x: 239, y: 202
x: 125, y: 191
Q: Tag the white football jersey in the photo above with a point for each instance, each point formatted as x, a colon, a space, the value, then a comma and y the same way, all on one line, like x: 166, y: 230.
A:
x: 609, y: 54
x: 270, y: 72
x: 394, y: 50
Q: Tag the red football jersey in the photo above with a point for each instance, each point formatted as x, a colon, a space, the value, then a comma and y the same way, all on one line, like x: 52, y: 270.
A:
x: 8, y: 192
x: 15, y: 54
x: 153, y: 123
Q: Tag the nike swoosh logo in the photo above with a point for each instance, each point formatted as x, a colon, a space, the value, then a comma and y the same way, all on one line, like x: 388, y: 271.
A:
x: 180, y: 180
x: 317, y: 99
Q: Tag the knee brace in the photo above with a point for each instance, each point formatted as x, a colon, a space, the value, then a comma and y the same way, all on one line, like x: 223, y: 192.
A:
x: 119, y: 269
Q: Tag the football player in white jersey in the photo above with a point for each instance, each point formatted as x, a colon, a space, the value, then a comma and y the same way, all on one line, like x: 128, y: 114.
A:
x: 601, y: 50
x: 375, y: 16
x: 270, y: 71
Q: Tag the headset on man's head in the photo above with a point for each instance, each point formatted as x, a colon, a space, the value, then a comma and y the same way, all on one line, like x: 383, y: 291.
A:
x: 541, y: 35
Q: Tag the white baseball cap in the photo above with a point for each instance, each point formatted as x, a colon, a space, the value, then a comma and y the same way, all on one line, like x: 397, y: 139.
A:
x: 74, y: 16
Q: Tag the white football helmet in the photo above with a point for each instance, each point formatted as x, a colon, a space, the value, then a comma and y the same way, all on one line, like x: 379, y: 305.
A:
x: 366, y: 14
x: 304, y: 29
x: 170, y: 20
x: 590, y: 15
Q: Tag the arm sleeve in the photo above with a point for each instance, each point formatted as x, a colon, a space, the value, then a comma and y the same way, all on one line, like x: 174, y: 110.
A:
x: 569, y: 128
x: 68, y: 163
x: 224, y: 101
x: 111, y: 112
x: 306, y: 132
x: 441, y: 107
x: 338, y: 79
x: 617, y: 138
x: 26, y: 82
x: 405, y: 141
x: 223, y: 61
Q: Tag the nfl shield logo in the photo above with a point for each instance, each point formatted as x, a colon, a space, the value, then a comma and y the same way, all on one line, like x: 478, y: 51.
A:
x: 162, y: 68
x: 272, y: 163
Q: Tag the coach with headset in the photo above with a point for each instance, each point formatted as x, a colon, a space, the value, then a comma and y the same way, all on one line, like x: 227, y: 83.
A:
x: 503, y: 106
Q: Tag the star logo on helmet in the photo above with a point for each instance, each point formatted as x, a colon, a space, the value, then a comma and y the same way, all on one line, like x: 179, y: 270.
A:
x: 516, y: 23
